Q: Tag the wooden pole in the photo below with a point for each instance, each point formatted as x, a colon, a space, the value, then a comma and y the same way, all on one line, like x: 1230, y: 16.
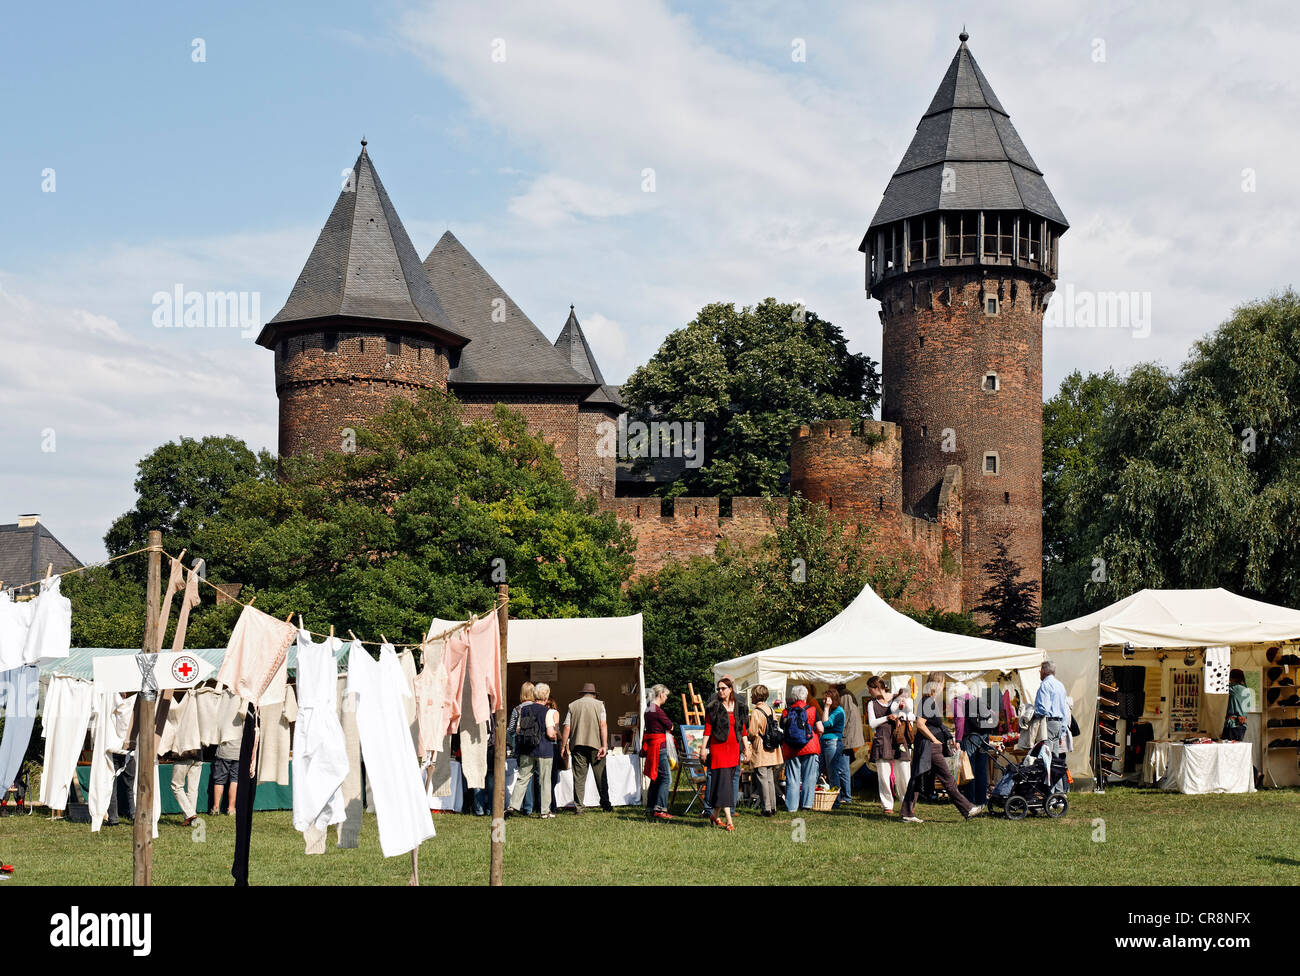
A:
x: 145, y: 751
x: 497, y: 863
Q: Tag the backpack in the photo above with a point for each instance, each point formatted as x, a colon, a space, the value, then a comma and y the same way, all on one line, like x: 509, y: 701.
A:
x: 798, y: 733
x: 772, y: 734
x: 528, y: 732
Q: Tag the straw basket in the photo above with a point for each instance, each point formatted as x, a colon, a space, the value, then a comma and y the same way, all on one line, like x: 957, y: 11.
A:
x: 822, y: 799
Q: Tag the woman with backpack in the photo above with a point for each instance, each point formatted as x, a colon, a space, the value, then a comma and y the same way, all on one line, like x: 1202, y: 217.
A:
x: 535, y: 753
x: 765, y: 747
x: 720, y: 751
x: 801, y: 748
x: 654, y: 747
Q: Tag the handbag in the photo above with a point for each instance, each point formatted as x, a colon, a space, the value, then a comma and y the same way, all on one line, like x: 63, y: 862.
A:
x: 903, y: 733
x: 965, y: 773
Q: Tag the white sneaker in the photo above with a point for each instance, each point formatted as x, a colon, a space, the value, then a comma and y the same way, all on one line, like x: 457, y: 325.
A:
x: 913, y: 820
x: 974, y: 812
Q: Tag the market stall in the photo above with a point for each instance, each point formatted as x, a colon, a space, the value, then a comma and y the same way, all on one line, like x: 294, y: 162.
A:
x: 566, y: 653
x: 871, y: 637
x: 1154, y: 647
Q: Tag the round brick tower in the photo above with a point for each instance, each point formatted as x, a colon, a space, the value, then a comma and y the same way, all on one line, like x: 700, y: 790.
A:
x: 962, y: 255
x: 361, y: 326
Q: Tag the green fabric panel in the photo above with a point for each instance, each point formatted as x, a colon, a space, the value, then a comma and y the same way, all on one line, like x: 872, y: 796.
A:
x: 270, y: 796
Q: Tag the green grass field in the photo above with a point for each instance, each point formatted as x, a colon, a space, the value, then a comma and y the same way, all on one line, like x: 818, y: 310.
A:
x: 1151, y: 838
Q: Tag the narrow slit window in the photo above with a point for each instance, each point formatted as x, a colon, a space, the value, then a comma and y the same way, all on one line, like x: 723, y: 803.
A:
x: 991, y: 462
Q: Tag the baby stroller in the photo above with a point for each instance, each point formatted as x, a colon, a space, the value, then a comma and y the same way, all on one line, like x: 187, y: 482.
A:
x: 1029, y: 786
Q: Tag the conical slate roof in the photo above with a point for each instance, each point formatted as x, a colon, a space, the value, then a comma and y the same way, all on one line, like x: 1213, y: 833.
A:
x: 572, y: 345
x: 363, y: 266
x: 511, y: 351
x: 967, y: 131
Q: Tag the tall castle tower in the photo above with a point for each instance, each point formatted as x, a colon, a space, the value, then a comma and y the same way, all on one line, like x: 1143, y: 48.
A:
x: 962, y: 255
x: 362, y: 324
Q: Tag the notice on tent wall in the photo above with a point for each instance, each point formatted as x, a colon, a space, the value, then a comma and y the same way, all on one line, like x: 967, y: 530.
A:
x: 543, y: 671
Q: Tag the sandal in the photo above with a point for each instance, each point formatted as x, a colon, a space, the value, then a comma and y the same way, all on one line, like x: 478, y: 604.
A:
x: 730, y: 826
x: 718, y: 822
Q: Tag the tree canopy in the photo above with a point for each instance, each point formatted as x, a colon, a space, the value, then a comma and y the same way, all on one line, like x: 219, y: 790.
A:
x: 423, y: 519
x: 1179, y: 479
x: 751, y: 376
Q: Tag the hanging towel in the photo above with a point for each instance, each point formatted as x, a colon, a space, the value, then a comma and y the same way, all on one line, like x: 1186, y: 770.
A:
x: 275, y: 738
x: 15, y: 622
x: 349, y: 830
x: 256, y: 655
x: 1218, y: 668
x: 387, y: 750
x: 485, y: 666
x: 50, y: 635
x: 320, y: 755
x: 64, y: 721
x: 455, y: 663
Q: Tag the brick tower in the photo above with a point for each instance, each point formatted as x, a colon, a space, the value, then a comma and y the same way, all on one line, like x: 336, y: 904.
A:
x: 362, y: 324
x: 962, y: 256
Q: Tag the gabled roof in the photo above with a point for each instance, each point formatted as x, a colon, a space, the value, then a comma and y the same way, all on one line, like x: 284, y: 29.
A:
x: 27, y: 550
x: 510, y: 351
x: 967, y: 131
x: 572, y: 345
x: 364, y: 267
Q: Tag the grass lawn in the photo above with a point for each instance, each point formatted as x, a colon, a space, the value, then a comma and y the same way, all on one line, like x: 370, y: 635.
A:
x: 1151, y: 838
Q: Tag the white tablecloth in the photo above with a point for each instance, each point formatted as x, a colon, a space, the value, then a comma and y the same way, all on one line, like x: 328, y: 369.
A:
x: 622, y: 773
x: 1213, y: 767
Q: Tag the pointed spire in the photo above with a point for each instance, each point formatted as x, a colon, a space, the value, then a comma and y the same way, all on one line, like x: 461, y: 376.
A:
x: 363, y: 266
x: 966, y: 155
x: 572, y: 344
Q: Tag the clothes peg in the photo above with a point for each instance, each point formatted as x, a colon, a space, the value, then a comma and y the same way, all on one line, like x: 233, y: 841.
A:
x: 301, y: 626
x: 289, y: 617
x: 331, y: 632
x: 252, y: 601
x: 355, y: 638
x: 181, y: 557
x: 383, y: 638
x: 49, y: 570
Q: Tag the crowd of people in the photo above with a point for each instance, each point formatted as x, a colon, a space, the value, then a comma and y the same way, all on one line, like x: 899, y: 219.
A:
x: 815, y: 740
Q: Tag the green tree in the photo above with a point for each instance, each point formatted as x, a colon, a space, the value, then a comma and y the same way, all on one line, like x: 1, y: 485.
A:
x: 423, y: 519
x: 180, y: 487
x: 1187, y: 479
x: 751, y: 375
x: 1010, y: 603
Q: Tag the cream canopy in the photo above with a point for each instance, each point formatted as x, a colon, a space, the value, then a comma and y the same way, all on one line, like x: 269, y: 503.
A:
x: 1151, y: 619
x: 871, y: 637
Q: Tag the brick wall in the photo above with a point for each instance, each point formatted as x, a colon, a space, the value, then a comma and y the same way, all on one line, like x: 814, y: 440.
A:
x: 938, y: 345
x: 322, y: 392
x: 693, y: 527
x: 553, y: 416
x: 597, y: 466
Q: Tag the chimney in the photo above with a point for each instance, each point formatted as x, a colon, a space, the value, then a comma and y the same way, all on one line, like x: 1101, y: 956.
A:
x: 27, y: 521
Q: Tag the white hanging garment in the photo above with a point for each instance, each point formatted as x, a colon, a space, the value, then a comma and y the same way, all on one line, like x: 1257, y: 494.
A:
x: 1218, y: 669
x: 15, y: 622
x: 50, y: 635
x: 112, y: 723
x: 387, y: 750
x: 320, y: 752
x: 64, y: 720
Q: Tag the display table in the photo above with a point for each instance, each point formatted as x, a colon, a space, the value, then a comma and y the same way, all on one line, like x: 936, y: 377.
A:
x: 622, y: 773
x: 1212, y: 767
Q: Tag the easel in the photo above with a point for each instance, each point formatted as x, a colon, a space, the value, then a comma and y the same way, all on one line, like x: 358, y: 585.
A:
x: 693, y: 716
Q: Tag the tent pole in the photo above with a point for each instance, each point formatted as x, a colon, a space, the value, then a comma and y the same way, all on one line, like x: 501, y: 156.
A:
x: 496, y: 863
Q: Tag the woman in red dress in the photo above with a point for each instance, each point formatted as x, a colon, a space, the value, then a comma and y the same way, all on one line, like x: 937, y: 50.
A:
x: 720, y: 751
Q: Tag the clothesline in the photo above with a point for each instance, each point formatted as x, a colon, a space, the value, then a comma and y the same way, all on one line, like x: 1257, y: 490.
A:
x: 432, y: 637
x: 78, y: 569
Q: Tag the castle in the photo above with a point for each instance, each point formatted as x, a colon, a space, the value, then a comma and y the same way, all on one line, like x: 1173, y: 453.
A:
x: 961, y: 254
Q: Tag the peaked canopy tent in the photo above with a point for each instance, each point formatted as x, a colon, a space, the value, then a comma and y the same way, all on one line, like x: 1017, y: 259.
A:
x: 1153, y: 623
x: 871, y: 637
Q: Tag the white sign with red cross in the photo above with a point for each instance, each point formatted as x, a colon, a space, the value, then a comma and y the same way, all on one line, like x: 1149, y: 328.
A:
x: 119, y: 672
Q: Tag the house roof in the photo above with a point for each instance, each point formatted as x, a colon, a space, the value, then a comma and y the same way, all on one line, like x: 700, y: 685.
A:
x: 363, y: 267
x: 27, y: 550
x: 511, y: 351
x: 967, y: 132
x: 572, y: 344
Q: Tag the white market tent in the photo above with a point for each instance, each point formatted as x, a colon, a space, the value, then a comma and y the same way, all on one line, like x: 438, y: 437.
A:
x: 1153, y: 621
x: 871, y: 637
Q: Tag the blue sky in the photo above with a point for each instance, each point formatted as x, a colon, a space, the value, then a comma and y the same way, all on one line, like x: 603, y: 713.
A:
x: 218, y: 175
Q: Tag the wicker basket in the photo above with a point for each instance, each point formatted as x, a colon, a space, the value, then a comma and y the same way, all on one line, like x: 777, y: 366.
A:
x: 822, y: 799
